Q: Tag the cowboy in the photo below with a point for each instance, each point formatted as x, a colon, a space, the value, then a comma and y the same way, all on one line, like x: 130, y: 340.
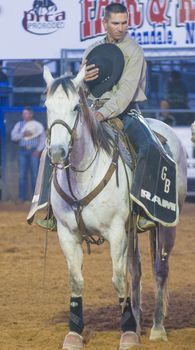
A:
x: 115, y: 82
x: 30, y: 136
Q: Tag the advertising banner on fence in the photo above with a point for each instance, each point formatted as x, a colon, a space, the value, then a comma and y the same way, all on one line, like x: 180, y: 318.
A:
x: 38, y: 29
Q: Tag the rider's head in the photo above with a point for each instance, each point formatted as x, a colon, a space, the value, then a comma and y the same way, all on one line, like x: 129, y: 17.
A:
x: 115, y: 22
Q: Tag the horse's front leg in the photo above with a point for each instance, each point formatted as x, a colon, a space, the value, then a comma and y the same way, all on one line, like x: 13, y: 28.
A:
x: 72, y: 249
x: 118, y: 246
x: 163, y: 247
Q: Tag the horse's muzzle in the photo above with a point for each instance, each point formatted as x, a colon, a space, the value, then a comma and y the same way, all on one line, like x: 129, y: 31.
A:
x: 57, y: 154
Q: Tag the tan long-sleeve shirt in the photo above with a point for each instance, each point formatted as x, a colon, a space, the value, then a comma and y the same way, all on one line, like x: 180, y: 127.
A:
x: 131, y: 86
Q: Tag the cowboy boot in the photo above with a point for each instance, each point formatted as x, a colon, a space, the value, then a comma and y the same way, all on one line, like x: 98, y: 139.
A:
x: 144, y: 224
x: 49, y: 222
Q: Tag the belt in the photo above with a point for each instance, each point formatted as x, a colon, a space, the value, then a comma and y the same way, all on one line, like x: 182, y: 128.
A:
x: 132, y: 105
x: 27, y: 148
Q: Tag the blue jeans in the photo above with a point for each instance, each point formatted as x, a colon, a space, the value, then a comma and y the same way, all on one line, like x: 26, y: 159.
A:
x: 27, y: 163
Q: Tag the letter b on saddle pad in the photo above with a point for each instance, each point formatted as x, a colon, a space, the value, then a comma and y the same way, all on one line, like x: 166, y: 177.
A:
x: 156, y: 192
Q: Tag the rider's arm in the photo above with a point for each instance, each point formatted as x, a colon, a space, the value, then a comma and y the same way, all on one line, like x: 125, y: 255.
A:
x: 130, y: 88
x: 16, y: 133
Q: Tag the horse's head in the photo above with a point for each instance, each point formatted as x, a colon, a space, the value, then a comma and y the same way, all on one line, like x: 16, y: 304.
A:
x: 62, y: 103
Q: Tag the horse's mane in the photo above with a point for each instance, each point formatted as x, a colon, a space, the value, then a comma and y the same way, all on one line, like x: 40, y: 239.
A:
x: 101, y: 134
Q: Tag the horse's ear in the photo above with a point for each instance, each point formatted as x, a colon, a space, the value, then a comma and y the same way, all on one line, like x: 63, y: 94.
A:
x: 80, y: 77
x: 47, y: 76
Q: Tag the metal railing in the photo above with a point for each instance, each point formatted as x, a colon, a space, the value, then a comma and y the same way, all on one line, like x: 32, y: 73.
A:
x: 172, y: 117
x: 158, y: 112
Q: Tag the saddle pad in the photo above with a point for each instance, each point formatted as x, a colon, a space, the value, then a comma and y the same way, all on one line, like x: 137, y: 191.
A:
x: 156, y: 191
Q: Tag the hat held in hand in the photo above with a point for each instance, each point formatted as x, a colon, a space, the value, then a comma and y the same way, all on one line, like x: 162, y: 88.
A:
x: 110, y: 61
x: 34, y: 128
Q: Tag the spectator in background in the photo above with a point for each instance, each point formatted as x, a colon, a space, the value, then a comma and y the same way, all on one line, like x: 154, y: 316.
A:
x: 175, y: 97
x: 30, y: 136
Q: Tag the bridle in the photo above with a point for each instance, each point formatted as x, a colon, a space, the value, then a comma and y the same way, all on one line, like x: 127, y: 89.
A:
x: 72, y: 133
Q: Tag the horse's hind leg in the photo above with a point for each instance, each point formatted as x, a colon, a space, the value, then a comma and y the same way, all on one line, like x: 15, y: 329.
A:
x: 161, y: 247
x: 71, y: 247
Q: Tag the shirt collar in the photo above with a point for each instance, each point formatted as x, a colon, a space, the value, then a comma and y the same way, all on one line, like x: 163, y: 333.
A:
x: 116, y: 41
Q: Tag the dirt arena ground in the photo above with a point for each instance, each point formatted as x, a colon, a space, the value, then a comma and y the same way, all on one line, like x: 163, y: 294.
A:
x: 34, y: 317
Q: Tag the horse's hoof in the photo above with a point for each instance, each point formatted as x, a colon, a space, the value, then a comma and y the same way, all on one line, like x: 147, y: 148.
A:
x: 128, y: 340
x: 73, y: 341
x: 158, y: 334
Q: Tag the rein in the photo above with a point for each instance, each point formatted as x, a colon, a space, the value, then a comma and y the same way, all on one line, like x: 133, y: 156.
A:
x: 83, y: 170
x: 77, y: 205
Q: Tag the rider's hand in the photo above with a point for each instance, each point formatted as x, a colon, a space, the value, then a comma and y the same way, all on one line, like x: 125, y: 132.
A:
x: 99, y: 116
x: 91, y: 71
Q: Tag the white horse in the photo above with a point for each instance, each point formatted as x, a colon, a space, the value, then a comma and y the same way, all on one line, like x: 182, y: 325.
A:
x: 82, y: 152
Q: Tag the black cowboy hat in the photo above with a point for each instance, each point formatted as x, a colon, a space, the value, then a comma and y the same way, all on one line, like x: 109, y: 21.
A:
x: 110, y: 61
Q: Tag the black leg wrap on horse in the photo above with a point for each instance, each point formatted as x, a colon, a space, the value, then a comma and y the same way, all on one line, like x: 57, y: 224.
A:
x: 128, y: 322
x: 76, y: 323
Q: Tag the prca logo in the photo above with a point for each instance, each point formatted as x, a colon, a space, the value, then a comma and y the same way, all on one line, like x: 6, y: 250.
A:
x: 43, y: 18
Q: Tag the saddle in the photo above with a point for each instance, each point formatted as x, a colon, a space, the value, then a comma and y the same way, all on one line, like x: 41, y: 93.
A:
x: 126, y: 148
x: 117, y: 124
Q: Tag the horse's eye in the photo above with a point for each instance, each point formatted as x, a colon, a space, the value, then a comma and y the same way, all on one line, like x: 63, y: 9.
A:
x: 76, y: 108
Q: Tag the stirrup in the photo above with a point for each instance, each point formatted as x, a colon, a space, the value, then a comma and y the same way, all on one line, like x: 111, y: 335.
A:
x: 50, y: 224
x: 144, y: 224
